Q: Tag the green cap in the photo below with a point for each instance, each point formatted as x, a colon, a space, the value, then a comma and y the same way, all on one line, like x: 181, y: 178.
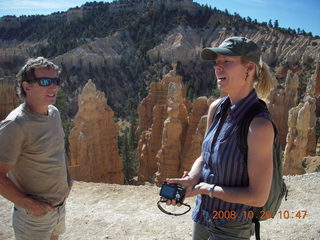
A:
x: 233, y: 47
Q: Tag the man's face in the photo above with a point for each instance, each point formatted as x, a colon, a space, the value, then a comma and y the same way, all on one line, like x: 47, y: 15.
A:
x: 40, y: 97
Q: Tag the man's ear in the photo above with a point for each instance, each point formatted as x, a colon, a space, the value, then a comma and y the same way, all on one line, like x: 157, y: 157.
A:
x: 26, y: 86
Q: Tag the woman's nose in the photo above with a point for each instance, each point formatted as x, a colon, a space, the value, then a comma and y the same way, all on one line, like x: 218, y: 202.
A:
x: 218, y: 67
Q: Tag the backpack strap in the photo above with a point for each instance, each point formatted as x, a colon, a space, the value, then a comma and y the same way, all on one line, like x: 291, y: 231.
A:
x: 245, y: 122
x: 256, y: 227
x: 217, y: 110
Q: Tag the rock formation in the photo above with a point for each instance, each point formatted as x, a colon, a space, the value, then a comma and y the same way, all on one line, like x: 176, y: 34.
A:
x: 168, y: 129
x: 93, y: 140
x: 182, y: 44
x: 100, y: 52
x: 168, y: 157
x: 197, y: 123
x: 301, y: 138
x: 152, y: 112
x: 8, y: 97
x: 281, y: 100
x: 311, y: 164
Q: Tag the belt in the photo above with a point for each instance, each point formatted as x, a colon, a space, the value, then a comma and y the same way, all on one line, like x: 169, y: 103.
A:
x: 58, y: 205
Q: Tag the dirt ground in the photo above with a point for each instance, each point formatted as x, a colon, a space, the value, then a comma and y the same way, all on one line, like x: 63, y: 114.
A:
x: 97, y: 211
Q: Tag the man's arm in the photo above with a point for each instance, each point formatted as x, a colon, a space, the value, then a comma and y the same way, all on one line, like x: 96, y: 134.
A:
x: 11, y: 192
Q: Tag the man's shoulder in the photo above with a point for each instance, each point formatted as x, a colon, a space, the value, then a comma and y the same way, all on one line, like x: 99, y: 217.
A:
x: 15, y: 115
x: 12, y: 122
x: 53, y: 111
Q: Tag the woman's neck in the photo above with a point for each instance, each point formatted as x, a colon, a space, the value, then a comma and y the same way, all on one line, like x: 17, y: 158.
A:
x: 238, y: 95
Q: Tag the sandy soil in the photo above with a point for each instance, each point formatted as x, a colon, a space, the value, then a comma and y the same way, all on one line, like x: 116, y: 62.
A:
x: 98, y: 211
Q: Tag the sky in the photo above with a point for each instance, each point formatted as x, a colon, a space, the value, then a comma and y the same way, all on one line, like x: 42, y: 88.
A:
x: 303, y: 14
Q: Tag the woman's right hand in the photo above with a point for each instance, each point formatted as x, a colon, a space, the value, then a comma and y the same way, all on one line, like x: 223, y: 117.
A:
x: 185, y: 181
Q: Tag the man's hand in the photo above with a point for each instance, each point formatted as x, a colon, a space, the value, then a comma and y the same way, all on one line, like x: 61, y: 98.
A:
x: 38, y: 208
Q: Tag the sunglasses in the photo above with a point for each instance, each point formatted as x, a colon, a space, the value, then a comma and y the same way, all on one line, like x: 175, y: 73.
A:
x: 45, y: 82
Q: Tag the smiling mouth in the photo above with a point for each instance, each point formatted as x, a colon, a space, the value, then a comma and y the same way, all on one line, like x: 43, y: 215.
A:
x: 51, y: 95
x: 221, y: 79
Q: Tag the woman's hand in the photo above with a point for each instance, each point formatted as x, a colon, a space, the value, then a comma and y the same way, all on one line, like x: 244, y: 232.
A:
x: 186, y: 182
x: 201, y: 188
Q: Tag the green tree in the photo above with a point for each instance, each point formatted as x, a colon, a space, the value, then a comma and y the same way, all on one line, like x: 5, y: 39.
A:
x: 128, y: 145
x: 63, y: 105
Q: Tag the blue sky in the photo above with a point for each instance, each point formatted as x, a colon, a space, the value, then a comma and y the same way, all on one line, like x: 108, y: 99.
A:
x: 303, y: 14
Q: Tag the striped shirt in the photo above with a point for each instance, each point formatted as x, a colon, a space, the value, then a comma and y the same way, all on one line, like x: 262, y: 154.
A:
x: 224, y: 164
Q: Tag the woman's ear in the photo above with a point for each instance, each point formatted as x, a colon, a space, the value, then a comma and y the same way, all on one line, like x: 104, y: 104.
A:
x: 250, y: 67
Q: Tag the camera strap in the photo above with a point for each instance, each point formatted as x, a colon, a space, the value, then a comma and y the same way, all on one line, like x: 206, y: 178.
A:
x: 170, y: 213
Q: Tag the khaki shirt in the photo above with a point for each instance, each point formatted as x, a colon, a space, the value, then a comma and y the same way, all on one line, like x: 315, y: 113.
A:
x: 33, y: 145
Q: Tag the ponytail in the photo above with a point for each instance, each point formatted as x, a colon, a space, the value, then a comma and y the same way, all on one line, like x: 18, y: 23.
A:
x: 262, y: 81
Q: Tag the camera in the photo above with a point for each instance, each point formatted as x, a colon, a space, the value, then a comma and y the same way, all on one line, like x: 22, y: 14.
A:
x: 172, y: 191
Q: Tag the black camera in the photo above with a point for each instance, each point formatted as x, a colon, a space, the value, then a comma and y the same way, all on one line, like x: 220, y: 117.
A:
x: 172, y: 191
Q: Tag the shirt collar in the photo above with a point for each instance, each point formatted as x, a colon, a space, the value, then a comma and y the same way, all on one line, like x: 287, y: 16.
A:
x: 238, y: 110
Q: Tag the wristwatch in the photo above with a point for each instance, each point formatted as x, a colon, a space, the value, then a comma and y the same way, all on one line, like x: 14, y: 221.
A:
x: 211, y: 190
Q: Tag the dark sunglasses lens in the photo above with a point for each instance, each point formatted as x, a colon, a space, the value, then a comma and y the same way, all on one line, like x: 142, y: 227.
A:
x: 44, y: 82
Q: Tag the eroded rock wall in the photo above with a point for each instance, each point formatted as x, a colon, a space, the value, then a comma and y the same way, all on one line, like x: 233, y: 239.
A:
x: 301, y: 138
x: 169, y: 126
x: 281, y: 100
x: 93, y: 140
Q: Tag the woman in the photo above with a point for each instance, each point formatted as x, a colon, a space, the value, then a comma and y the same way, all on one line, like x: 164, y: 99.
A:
x: 222, y: 179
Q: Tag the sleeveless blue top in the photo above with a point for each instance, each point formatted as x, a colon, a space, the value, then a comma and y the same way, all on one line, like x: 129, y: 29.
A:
x: 224, y: 164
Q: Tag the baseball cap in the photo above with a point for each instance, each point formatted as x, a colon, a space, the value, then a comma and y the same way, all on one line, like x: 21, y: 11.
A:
x: 233, y: 47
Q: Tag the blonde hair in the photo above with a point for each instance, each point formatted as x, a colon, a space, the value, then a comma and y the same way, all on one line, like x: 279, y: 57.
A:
x: 262, y: 80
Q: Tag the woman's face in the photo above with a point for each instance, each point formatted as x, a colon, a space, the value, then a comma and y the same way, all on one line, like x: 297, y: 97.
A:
x: 231, y: 74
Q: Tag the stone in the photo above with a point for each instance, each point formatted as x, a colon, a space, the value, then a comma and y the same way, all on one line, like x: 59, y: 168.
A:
x: 311, y: 164
x: 280, y: 101
x: 168, y: 157
x: 152, y: 113
x: 301, y: 138
x: 93, y: 140
x: 168, y: 128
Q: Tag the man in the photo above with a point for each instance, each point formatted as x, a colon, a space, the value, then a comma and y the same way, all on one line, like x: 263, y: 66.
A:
x: 33, y: 170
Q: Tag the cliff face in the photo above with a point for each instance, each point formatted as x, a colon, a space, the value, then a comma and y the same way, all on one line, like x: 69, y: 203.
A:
x: 93, y: 140
x: 168, y: 157
x: 99, y: 53
x: 128, y: 44
x: 301, y: 138
x: 281, y: 100
x: 186, y: 43
x: 183, y: 44
x: 168, y: 129
x: 152, y: 113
